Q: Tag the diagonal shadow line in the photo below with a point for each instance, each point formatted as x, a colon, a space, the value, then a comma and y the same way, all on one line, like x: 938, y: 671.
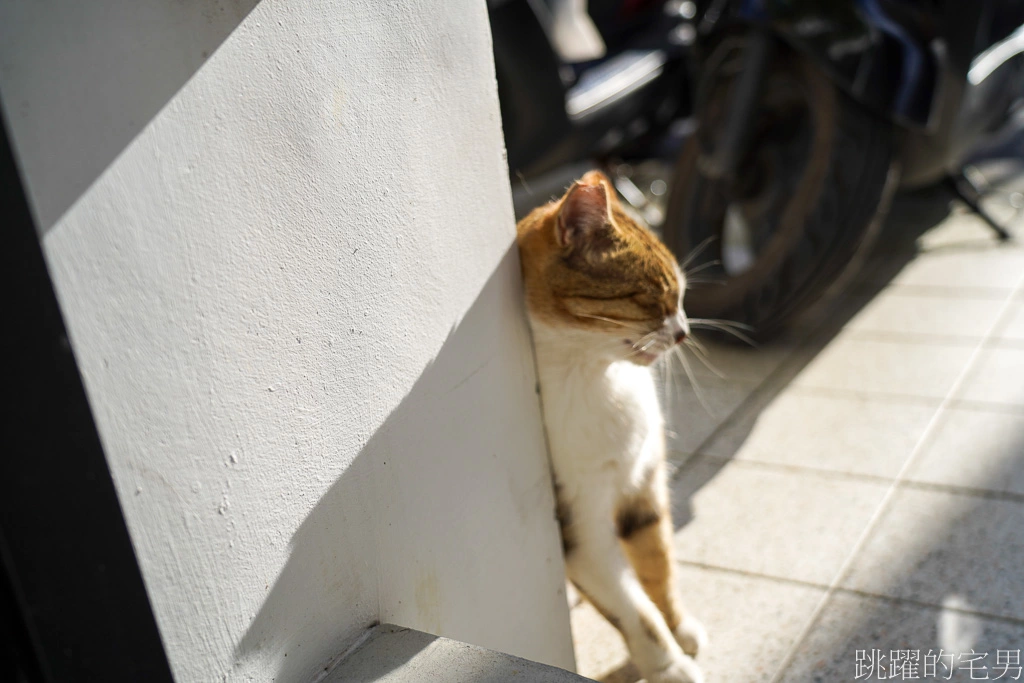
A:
x: 381, y: 544
x: 911, y: 215
x: 689, y: 480
x: 80, y: 81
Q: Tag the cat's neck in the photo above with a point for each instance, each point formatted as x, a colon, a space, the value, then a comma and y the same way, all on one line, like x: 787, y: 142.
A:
x: 586, y: 383
x: 563, y: 350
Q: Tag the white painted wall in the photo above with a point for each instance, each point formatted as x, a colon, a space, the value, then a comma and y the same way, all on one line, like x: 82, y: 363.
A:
x: 289, y: 278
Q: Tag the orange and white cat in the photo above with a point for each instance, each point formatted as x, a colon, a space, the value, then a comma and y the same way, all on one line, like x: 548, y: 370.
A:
x: 605, y: 300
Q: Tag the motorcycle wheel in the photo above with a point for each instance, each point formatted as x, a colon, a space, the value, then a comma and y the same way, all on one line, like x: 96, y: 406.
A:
x: 809, y: 197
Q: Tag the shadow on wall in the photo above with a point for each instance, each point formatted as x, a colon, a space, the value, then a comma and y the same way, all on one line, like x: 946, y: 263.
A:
x: 78, y: 90
x: 443, y: 505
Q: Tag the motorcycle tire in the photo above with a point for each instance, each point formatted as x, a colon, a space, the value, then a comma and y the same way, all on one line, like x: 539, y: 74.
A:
x: 812, y: 190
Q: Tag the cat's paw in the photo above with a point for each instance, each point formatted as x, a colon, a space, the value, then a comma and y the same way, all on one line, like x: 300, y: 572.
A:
x: 691, y: 636
x: 683, y: 670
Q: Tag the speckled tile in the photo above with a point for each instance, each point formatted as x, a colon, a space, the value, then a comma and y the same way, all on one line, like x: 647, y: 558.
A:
x: 894, y: 312
x: 739, y: 362
x: 847, y: 434
x: 884, y: 367
x: 984, y: 264
x: 1012, y: 327
x: 751, y: 623
x: 974, y: 449
x: 965, y: 230
x: 931, y: 544
x: 782, y: 524
x: 599, y: 648
x: 875, y: 627
x: 690, y: 418
x: 997, y: 377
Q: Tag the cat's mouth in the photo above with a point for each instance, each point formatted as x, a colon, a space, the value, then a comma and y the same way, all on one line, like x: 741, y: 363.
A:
x: 645, y: 358
x: 642, y: 355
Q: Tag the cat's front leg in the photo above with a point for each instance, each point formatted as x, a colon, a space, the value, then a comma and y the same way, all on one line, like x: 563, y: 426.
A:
x: 596, y: 564
x: 644, y: 525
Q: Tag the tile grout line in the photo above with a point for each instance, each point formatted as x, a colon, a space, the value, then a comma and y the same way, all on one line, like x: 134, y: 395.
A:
x: 867, y: 478
x: 842, y: 393
x: 909, y: 399
x: 928, y: 339
x: 877, y: 336
x: 873, y: 521
x: 787, y: 368
x: 848, y: 591
x: 964, y: 293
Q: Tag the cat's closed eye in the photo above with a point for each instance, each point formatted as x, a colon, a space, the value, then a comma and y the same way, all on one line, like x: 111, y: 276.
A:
x: 587, y: 264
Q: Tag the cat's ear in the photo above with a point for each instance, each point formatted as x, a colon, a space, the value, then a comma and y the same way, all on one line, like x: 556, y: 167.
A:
x: 584, y: 219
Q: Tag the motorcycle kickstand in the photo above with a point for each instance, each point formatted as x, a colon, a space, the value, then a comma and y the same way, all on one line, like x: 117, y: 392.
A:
x: 968, y: 193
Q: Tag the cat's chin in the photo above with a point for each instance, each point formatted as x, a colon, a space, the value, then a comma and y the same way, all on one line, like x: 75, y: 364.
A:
x: 645, y: 355
x: 644, y: 358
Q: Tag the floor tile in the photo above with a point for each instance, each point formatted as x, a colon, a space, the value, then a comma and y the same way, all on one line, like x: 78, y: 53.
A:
x: 975, y: 449
x: 893, y: 368
x: 781, y: 524
x: 690, y: 418
x: 852, y: 623
x: 895, y: 312
x: 740, y: 363
x: 1013, y: 326
x: 848, y: 434
x: 958, y: 253
x: 997, y: 377
x: 984, y: 265
x: 929, y: 545
x: 599, y: 648
x: 964, y: 230
x: 751, y: 623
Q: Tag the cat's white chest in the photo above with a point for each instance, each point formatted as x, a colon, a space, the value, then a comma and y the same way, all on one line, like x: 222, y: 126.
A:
x: 604, y: 423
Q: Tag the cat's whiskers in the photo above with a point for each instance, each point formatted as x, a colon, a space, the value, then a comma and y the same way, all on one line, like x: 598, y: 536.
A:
x: 696, y: 343
x: 725, y: 326
x: 644, y: 341
x: 696, y: 252
x: 666, y: 385
x: 635, y: 353
x: 701, y: 354
x: 522, y: 179
x: 703, y: 266
x: 609, y: 320
x: 698, y: 392
x: 704, y: 281
x: 719, y: 321
x: 674, y: 377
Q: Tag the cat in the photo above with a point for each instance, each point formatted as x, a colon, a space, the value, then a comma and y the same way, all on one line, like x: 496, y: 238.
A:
x: 604, y: 299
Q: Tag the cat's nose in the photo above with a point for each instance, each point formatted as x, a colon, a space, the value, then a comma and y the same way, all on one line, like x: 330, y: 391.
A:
x: 679, y: 336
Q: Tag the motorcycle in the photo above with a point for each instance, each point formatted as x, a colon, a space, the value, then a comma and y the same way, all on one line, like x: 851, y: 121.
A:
x: 581, y: 83
x: 792, y: 123
x: 812, y: 115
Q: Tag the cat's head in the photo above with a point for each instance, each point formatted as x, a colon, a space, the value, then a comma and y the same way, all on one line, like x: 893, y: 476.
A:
x: 593, y: 274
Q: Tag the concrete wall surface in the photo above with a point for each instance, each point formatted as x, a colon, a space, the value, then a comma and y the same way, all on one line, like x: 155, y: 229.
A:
x: 282, y: 238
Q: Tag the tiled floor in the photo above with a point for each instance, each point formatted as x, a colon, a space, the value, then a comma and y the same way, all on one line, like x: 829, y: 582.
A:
x: 860, y: 486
